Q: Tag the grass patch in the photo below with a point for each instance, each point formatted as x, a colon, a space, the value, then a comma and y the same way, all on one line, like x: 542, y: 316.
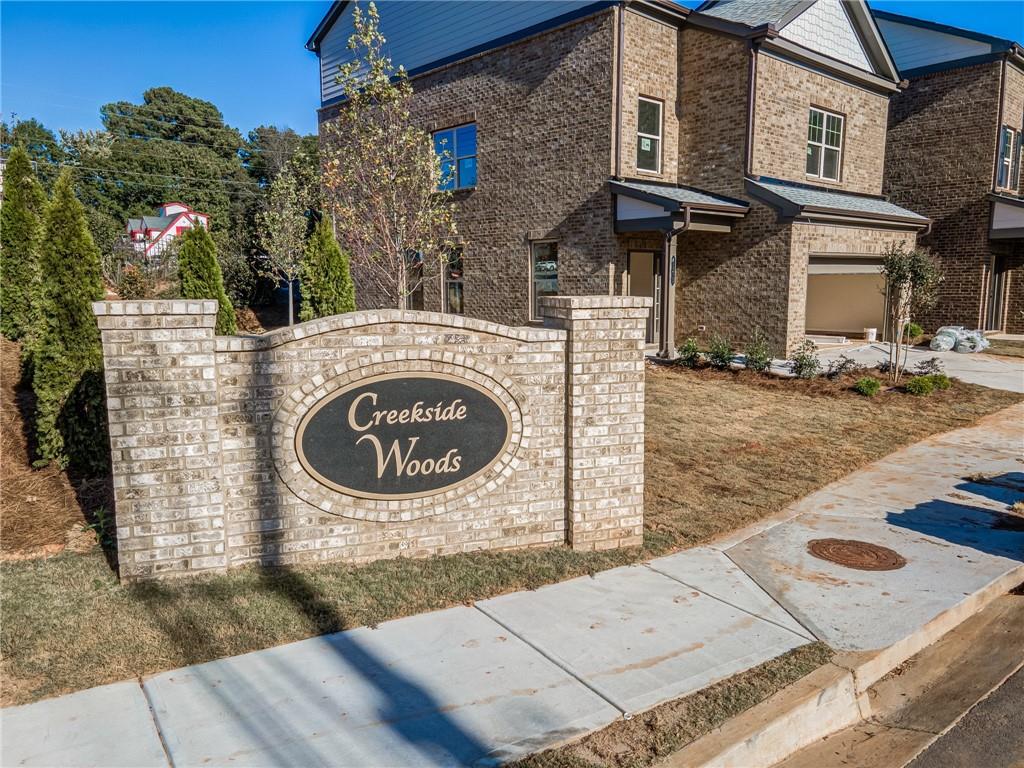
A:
x: 723, y: 450
x: 669, y: 727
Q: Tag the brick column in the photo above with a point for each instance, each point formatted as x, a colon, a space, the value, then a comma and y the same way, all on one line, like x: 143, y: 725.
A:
x: 164, y: 435
x: 604, y: 416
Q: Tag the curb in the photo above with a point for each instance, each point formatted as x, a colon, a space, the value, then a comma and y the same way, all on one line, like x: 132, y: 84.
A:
x: 828, y: 700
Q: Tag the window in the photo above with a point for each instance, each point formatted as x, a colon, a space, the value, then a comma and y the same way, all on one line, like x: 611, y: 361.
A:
x: 648, y: 135
x: 457, y: 149
x: 824, y: 144
x: 1009, y: 161
x: 453, y: 283
x: 543, y: 273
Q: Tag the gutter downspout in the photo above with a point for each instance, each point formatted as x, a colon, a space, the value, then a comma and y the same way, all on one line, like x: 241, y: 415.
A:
x: 620, y: 17
x: 667, y: 347
x: 752, y: 80
x: 985, y: 292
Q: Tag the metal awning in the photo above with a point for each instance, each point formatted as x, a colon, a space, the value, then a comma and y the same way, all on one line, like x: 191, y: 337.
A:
x: 1007, y: 220
x: 813, y: 204
x: 643, y: 207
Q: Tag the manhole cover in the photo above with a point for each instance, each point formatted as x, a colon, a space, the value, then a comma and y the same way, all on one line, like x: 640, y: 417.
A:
x: 861, y: 555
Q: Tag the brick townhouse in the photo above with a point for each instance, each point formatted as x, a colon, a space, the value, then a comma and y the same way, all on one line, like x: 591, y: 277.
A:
x: 954, y: 154
x: 726, y: 161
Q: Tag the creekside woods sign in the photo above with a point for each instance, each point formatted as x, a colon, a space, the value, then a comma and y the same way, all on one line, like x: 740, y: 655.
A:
x: 402, y: 436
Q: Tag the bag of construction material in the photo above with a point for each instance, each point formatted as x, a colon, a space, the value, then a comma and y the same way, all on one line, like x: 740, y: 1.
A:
x: 971, y: 341
x: 959, y: 339
x: 944, y: 339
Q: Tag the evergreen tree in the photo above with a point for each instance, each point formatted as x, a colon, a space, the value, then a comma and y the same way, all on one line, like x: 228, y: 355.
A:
x: 327, y: 287
x: 201, y: 278
x: 68, y: 359
x: 20, y: 224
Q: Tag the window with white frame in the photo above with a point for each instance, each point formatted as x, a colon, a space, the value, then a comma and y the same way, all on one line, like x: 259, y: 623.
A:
x: 824, y: 144
x: 648, y: 135
x: 457, y: 149
x: 543, y: 273
x: 453, y: 283
x: 1008, y: 174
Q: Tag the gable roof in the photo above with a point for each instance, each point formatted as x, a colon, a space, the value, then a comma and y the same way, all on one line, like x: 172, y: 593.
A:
x: 754, y: 13
x: 313, y: 44
x: 792, y: 200
x: 675, y: 197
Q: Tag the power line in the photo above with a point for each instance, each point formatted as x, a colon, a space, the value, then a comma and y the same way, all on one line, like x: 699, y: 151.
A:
x: 101, y: 171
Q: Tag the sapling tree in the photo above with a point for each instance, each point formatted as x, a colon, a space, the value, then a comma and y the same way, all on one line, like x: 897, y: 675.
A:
x: 382, y: 175
x: 282, y: 227
x: 912, y: 280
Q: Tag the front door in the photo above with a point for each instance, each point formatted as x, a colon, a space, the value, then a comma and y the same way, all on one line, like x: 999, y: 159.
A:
x: 996, y: 294
x: 644, y: 280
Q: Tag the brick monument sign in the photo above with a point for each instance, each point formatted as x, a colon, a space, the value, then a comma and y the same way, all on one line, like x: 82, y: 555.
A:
x: 372, y: 434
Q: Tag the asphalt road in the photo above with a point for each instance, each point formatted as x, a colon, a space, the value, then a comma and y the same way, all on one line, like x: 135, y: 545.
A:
x: 989, y: 736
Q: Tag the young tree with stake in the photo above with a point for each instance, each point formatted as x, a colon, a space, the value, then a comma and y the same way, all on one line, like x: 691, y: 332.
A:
x: 382, y: 175
x: 912, y: 279
x: 282, y: 231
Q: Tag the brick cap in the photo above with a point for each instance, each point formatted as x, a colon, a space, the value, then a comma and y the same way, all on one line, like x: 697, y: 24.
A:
x: 162, y: 307
x: 597, y: 302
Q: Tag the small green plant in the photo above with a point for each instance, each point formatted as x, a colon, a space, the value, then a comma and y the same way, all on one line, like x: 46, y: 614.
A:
x: 867, y: 386
x: 841, y: 366
x: 929, y: 367
x: 758, y: 353
x: 719, y: 352
x: 914, y: 332
x: 133, y: 284
x: 940, y: 381
x: 689, y: 353
x: 805, y: 363
x: 920, y: 386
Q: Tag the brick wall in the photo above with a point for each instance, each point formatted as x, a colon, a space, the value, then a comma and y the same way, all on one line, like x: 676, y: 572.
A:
x: 203, y: 430
x: 543, y: 109
x: 785, y: 93
x: 939, y: 162
x: 1013, y: 104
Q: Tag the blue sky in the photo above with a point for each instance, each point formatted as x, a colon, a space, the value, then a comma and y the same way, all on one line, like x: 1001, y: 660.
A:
x: 59, y: 61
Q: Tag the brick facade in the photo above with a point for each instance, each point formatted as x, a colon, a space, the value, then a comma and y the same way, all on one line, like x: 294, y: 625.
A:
x: 203, y: 432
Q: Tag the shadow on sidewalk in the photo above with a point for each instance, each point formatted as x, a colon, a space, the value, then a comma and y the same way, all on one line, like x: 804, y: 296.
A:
x: 282, y: 717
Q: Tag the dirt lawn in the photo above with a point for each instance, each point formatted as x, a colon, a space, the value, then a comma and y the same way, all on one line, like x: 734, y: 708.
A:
x: 723, y: 450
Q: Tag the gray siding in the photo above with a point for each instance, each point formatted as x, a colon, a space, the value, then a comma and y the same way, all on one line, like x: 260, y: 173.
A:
x: 913, y: 46
x: 420, y: 32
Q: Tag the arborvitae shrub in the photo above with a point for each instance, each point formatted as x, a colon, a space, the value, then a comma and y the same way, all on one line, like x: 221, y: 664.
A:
x: 327, y: 287
x: 20, y: 232
x: 201, y: 278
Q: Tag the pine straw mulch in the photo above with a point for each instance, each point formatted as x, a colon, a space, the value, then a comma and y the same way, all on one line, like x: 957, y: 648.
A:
x: 41, y: 510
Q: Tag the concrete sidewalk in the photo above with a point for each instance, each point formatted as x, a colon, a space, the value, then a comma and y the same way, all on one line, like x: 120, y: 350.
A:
x: 517, y: 673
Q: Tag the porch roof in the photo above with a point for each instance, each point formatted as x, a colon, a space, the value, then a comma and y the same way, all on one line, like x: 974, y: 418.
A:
x: 642, y: 205
x: 1007, y: 219
x: 814, y: 203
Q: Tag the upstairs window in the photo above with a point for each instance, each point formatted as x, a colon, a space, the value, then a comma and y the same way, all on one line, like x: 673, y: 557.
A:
x: 648, y: 135
x: 457, y: 149
x: 1008, y: 175
x: 824, y: 144
x: 453, y: 283
x: 544, y: 273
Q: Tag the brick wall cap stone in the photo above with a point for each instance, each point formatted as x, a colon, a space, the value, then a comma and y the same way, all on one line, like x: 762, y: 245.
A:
x: 162, y: 307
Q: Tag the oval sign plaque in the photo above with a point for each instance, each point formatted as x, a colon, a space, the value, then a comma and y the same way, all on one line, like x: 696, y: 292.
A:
x: 402, y: 436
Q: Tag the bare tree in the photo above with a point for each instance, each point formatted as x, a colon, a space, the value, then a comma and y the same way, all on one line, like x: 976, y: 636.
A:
x: 382, y: 174
x: 912, y: 279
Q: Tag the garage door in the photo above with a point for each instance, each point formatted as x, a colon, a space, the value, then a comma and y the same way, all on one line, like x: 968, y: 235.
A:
x: 845, y: 295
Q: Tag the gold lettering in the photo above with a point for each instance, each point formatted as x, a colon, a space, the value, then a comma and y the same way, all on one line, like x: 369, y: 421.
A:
x: 352, y: 411
x: 395, y: 452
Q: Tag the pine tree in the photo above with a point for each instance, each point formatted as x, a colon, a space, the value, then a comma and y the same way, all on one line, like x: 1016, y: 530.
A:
x: 327, y: 287
x: 20, y: 229
x: 201, y: 278
x: 68, y: 359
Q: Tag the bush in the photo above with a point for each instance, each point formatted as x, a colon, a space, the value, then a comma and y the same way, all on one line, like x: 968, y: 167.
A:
x: 70, y: 419
x: 20, y: 230
x: 689, y: 353
x: 914, y: 332
x: 920, y: 385
x: 867, y: 386
x: 841, y: 366
x: 132, y: 284
x: 940, y: 381
x: 719, y: 352
x: 201, y: 278
x: 327, y: 287
x: 929, y: 367
x: 758, y: 353
x: 805, y: 363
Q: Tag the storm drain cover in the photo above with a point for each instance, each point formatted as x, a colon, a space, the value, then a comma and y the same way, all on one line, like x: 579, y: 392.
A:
x: 861, y: 555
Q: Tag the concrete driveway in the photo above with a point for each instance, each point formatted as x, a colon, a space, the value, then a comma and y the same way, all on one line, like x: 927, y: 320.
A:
x: 986, y: 370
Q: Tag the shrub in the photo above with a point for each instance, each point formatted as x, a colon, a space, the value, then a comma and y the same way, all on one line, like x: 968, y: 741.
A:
x: 758, y: 353
x: 70, y: 420
x: 132, y: 284
x: 929, y: 367
x: 805, y: 363
x: 940, y: 381
x: 201, y: 278
x: 914, y: 332
x: 689, y: 353
x: 327, y: 287
x: 920, y: 385
x: 719, y: 352
x: 20, y: 230
x: 867, y: 386
x: 841, y: 366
